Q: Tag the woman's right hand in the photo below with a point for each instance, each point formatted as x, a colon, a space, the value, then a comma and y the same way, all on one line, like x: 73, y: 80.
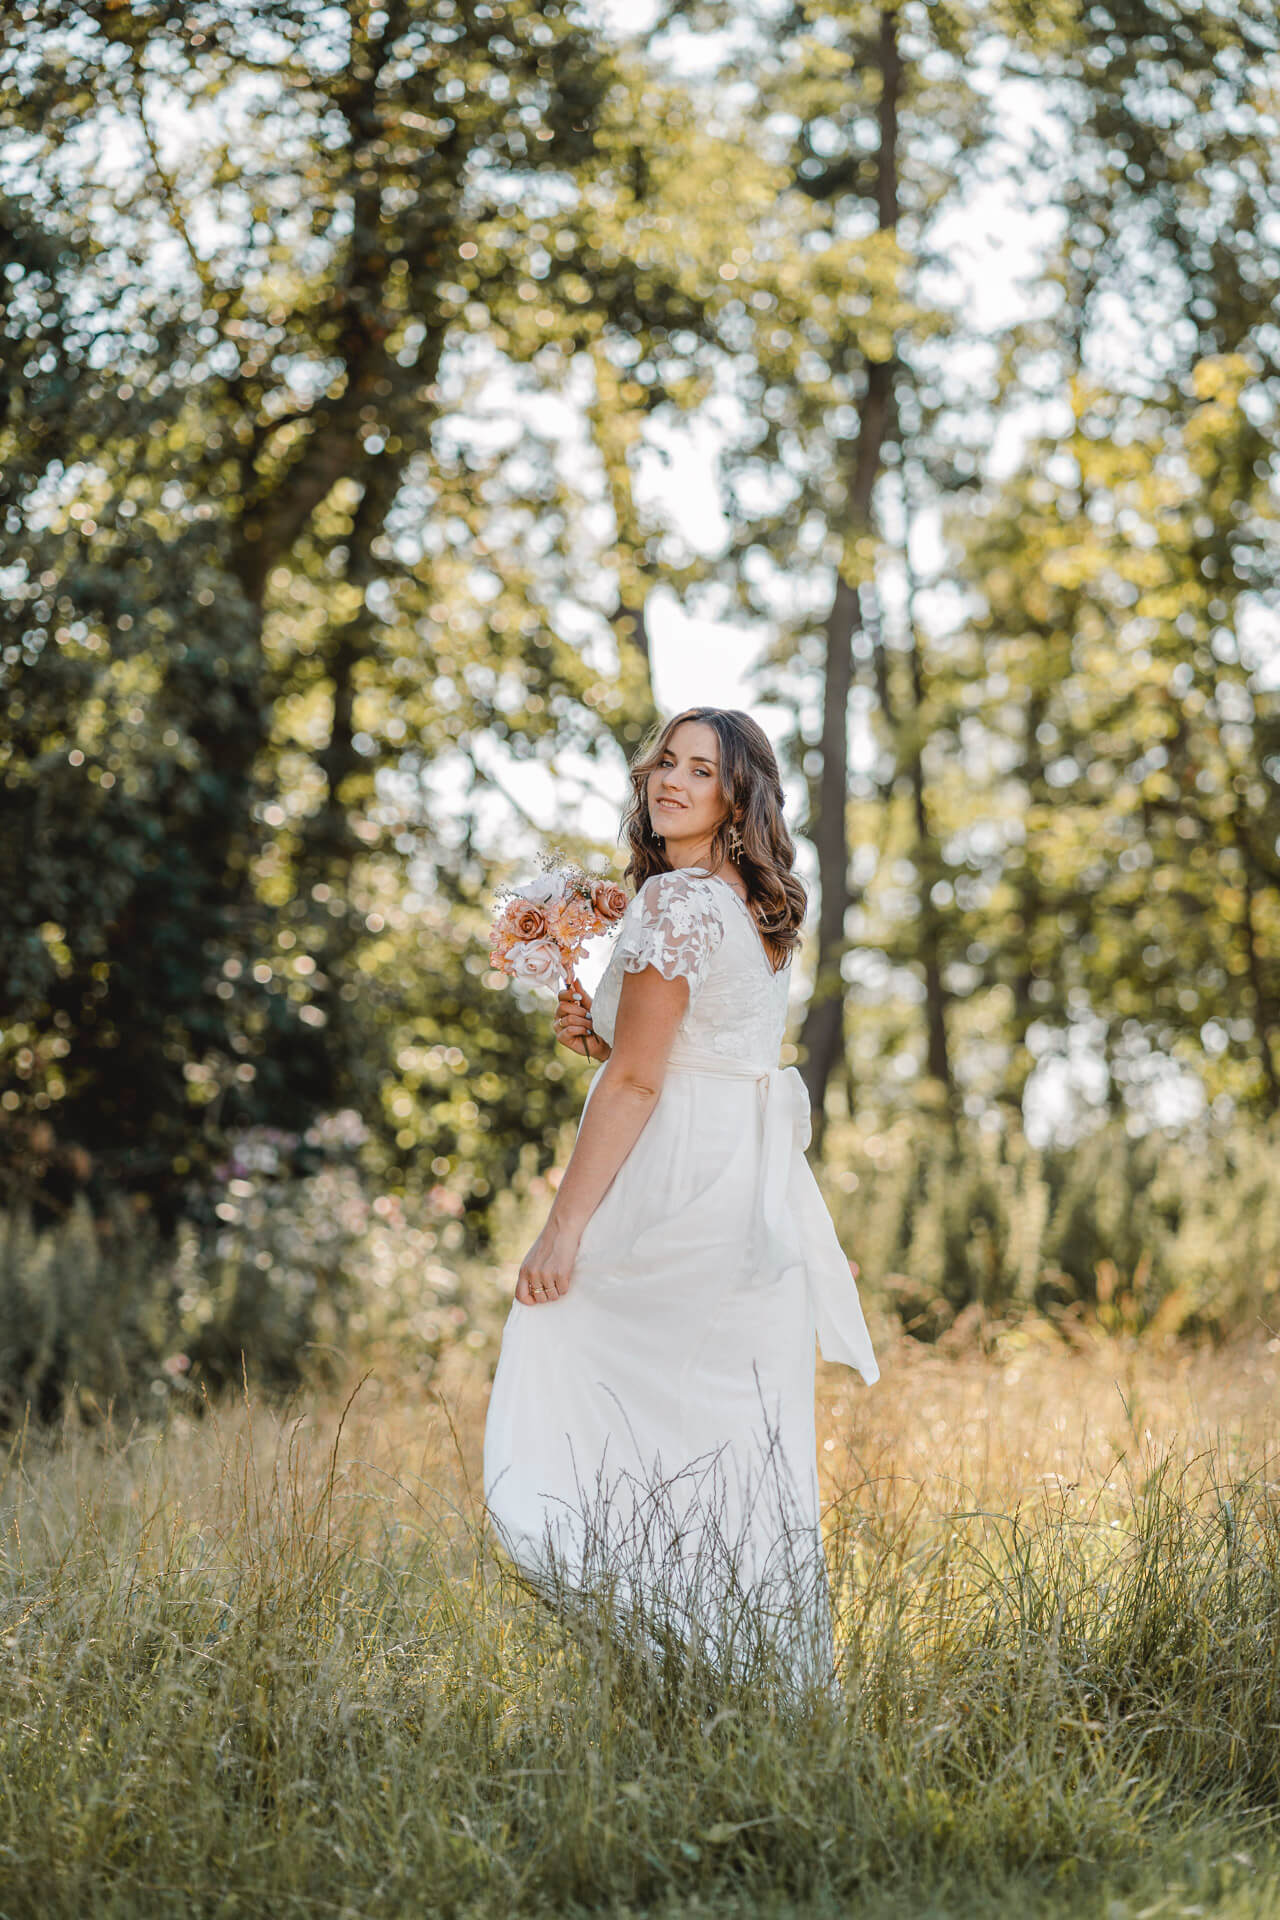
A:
x: 573, y: 1025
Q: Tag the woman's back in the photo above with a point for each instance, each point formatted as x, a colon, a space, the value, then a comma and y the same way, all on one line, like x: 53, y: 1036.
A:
x: 698, y: 925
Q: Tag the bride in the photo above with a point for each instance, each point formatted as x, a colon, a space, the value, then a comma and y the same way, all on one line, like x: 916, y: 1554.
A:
x: 651, y: 1428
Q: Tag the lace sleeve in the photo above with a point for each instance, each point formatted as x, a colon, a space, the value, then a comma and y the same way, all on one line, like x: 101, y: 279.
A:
x: 673, y: 924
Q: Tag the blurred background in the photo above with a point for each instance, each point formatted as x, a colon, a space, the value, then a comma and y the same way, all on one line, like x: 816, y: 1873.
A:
x: 404, y: 406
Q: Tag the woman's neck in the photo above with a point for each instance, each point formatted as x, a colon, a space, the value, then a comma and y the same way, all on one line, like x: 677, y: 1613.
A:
x: 723, y: 872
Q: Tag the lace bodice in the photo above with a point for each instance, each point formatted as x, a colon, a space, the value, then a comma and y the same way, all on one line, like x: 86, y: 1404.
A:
x: 698, y: 926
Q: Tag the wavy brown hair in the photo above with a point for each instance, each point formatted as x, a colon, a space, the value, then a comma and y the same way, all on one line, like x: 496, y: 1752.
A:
x: 752, y: 794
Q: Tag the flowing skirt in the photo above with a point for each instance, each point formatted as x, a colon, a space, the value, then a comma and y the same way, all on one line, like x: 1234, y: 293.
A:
x: 651, y: 1434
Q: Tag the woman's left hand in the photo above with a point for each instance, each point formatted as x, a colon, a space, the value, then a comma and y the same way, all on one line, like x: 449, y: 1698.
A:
x: 547, y: 1268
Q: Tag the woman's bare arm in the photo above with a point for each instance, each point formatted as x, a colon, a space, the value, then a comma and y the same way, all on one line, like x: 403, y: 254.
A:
x: 650, y: 1010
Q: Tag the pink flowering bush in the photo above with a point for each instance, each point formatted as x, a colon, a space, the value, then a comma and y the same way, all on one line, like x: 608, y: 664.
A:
x: 290, y: 1270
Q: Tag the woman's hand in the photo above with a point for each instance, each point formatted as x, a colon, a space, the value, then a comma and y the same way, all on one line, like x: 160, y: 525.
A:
x: 573, y: 1025
x: 546, y: 1269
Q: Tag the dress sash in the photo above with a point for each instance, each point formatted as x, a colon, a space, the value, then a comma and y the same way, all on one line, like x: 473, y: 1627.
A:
x: 796, y: 1226
x: 787, y: 1131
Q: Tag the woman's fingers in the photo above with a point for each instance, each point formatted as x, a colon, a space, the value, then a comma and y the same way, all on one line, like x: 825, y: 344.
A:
x: 546, y: 1269
x: 523, y: 1293
x: 573, y: 1022
x: 536, y: 1286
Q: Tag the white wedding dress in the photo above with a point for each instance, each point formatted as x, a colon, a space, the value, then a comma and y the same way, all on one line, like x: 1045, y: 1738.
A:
x: 652, y: 1431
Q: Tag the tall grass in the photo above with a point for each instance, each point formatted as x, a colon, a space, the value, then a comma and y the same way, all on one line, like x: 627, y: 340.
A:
x: 271, y: 1663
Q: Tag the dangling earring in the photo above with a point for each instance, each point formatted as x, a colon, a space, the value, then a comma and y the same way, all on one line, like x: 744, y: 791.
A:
x: 656, y: 838
x: 735, y: 842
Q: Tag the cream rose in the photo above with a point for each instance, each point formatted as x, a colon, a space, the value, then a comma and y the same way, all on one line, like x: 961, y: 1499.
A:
x: 534, y: 960
x: 541, y: 891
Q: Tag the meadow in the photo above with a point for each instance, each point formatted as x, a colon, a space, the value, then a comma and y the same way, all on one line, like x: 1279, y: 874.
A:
x: 411, y: 407
x: 267, y: 1660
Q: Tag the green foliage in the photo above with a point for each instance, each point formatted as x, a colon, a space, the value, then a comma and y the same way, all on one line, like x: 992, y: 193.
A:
x: 1163, y: 1233
x: 327, y: 445
x: 293, y: 1262
x: 1128, y: 569
x: 258, y: 559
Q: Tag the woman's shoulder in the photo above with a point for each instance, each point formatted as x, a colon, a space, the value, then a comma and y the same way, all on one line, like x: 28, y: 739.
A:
x: 680, y: 894
x: 685, y: 898
x: 677, y: 883
x: 673, y: 923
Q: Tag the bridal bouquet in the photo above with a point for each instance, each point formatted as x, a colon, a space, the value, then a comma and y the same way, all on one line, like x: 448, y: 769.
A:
x: 540, y: 929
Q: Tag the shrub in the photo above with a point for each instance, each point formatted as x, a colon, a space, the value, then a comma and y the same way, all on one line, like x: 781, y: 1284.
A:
x: 1167, y: 1232
x: 286, y: 1270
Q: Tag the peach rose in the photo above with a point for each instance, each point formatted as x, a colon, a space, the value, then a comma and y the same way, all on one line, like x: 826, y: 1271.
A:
x: 608, y: 901
x: 526, y: 921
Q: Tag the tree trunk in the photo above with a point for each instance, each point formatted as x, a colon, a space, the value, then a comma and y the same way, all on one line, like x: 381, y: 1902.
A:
x: 617, y: 429
x: 1030, y: 906
x: 327, y: 839
x: 822, y: 1036
x: 1263, y: 1012
x: 928, y: 863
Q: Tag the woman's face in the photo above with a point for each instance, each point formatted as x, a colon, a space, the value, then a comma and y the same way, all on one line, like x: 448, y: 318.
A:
x: 683, y: 790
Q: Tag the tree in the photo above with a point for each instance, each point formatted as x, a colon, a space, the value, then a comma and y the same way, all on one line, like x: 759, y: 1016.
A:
x: 273, y: 566
x: 1127, y: 568
x: 871, y: 119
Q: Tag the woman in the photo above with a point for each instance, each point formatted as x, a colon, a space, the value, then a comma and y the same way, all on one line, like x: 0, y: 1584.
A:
x: 651, y: 1426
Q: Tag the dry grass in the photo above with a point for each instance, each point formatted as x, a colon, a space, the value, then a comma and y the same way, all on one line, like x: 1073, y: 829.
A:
x: 268, y: 1663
